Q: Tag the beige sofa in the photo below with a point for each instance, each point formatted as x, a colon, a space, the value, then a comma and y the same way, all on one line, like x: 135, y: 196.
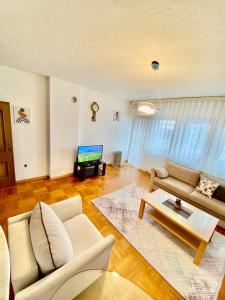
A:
x: 92, y: 251
x: 182, y: 181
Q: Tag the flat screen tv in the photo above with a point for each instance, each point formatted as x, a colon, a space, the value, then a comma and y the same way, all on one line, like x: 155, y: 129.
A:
x: 89, y: 153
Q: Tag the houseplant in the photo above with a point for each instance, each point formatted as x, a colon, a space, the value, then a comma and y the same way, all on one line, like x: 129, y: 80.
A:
x: 178, y: 203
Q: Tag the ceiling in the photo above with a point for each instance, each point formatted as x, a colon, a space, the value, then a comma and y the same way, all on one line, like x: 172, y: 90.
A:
x: 107, y: 45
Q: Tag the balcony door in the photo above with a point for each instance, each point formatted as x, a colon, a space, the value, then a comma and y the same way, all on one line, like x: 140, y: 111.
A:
x: 7, y: 171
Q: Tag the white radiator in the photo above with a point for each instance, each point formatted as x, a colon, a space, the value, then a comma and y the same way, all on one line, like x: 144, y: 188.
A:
x: 117, y: 158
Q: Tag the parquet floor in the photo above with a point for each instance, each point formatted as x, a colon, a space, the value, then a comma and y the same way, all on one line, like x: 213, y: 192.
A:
x: 125, y: 259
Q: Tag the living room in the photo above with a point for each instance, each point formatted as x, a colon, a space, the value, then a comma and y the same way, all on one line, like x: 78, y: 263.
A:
x: 112, y: 150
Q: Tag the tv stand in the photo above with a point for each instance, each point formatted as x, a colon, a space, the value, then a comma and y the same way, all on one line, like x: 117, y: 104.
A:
x: 87, y: 169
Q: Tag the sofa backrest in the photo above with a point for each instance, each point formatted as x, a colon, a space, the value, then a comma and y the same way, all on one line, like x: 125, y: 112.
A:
x: 213, y: 178
x: 182, y: 173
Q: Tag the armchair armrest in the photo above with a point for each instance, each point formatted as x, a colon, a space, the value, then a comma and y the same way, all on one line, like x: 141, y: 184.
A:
x: 96, y: 257
x: 19, y: 218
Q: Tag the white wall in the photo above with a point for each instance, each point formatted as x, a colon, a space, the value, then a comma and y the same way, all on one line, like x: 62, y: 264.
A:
x: 30, y: 142
x: 58, y: 125
x: 71, y: 125
x: 113, y: 135
x: 64, y: 122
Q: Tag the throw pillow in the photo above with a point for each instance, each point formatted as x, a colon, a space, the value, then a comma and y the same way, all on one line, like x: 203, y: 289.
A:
x: 207, y: 187
x: 219, y: 193
x: 161, y: 172
x: 50, y: 240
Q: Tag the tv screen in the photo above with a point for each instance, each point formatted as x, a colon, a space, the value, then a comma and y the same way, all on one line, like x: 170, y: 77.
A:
x: 89, y: 153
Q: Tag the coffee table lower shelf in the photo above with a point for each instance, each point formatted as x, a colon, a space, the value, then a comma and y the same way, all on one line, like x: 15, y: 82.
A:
x: 179, y: 232
x: 197, y: 244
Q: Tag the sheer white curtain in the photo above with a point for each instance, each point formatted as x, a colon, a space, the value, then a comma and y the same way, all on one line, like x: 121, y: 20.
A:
x: 191, y: 132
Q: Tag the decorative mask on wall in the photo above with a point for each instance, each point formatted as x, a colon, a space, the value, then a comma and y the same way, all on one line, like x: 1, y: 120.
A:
x: 21, y: 115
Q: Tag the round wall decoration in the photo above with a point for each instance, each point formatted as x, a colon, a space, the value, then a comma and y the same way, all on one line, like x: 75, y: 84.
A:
x: 95, y: 109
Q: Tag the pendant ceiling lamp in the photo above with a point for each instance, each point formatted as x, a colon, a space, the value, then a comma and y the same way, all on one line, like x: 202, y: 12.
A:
x: 147, y: 108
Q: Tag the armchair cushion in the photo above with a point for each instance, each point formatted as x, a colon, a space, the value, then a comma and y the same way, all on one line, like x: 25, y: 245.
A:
x: 51, y: 243
x: 83, y: 234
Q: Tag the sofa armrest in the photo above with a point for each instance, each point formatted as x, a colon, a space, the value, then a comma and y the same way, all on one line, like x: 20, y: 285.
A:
x: 69, y: 208
x: 153, y: 175
x: 95, y: 258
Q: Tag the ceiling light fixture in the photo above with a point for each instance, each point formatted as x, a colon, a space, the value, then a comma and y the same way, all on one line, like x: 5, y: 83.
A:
x: 155, y: 65
x: 146, y: 109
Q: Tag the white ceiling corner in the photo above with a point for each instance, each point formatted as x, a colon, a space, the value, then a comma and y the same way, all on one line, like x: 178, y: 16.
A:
x: 108, y: 45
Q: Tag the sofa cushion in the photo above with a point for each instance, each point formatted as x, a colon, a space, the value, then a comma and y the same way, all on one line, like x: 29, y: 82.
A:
x: 161, y: 172
x: 175, y: 185
x: 209, y: 203
x: 219, y: 193
x: 207, y: 187
x: 50, y: 240
x: 24, y: 268
x: 182, y: 173
x: 78, y: 228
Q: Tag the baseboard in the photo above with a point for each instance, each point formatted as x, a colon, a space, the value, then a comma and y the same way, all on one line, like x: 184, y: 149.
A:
x: 62, y: 176
x: 32, y: 179
x: 43, y: 177
x: 123, y: 163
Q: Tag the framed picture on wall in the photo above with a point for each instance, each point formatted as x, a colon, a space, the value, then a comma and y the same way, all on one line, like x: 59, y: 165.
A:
x: 116, y: 116
x: 21, y: 115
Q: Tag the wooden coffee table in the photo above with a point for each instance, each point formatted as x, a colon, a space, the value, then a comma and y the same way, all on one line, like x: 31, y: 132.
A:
x: 191, y: 225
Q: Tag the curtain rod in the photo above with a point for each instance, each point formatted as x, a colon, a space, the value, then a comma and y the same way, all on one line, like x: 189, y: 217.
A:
x: 201, y: 98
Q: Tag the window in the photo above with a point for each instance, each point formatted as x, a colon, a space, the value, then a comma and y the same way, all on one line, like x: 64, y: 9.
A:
x: 194, y: 142
x: 216, y: 161
x: 189, y: 132
x: 159, y: 143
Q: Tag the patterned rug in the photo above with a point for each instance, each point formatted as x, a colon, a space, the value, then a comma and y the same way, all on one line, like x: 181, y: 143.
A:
x: 168, y: 255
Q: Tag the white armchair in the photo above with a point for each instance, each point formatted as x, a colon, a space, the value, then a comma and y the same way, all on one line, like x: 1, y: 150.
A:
x: 4, y: 267
x: 91, y: 251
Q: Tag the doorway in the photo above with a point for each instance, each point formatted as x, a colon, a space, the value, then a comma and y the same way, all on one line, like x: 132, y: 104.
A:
x: 7, y: 170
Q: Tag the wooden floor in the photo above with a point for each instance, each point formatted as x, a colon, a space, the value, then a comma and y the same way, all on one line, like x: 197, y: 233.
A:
x: 125, y: 259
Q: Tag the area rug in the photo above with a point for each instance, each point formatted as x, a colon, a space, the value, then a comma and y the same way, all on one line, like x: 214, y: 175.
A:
x: 167, y: 254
